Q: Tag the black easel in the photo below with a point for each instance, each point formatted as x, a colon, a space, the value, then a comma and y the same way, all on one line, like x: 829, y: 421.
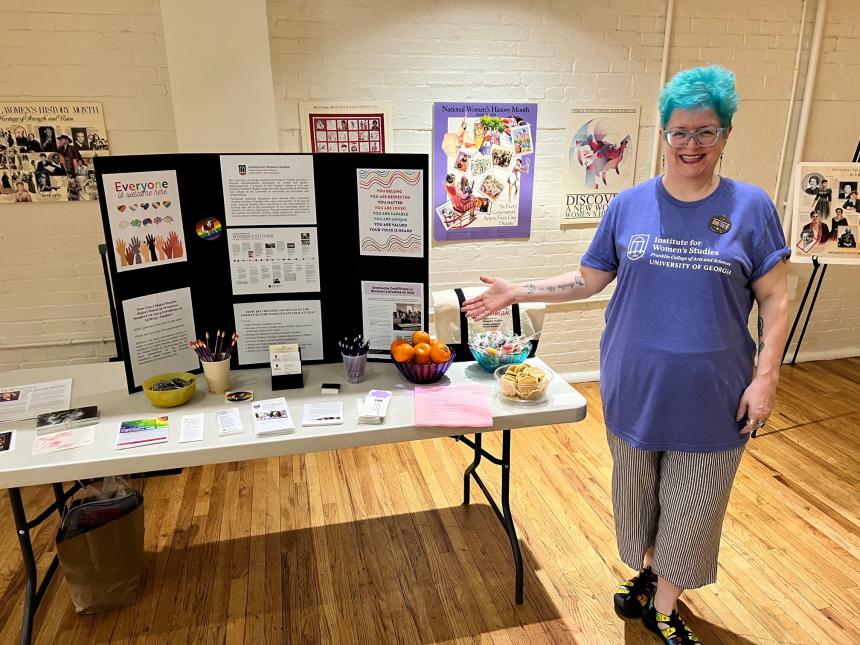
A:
x: 815, y: 266
x: 113, y: 318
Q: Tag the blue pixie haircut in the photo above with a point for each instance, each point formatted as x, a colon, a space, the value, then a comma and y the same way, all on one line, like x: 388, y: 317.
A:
x: 700, y: 88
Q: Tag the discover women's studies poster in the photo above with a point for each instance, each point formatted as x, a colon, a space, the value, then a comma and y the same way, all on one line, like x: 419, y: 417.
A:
x: 159, y: 328
x: 600, y: 148
x: 483, y: 169
x: 145, y: 219
x: 260, y: 324
x: 825, y: 220
x: 273, y: 260
x: 390, y: 212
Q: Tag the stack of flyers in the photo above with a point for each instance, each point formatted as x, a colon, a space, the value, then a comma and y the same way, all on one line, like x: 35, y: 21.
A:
x: 141, y: 432
x: 373, y: 408
x: 272, y: 417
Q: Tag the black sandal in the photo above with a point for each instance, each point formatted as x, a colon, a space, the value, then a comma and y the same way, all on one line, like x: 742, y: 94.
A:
x: 676, y: 631
x: 632, y: 597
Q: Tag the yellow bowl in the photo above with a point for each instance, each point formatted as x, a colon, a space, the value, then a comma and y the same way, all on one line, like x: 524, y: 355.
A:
x: 170, y: 398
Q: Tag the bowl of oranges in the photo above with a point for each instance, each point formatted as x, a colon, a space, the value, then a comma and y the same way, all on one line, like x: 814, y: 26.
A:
x: 424, y: 360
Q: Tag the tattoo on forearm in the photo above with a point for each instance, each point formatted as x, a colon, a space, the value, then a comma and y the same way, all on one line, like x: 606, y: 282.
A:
x: 532, y: 288
x: 760, y: 335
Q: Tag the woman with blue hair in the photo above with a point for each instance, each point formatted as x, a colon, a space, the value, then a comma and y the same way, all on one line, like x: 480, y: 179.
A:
x: 691, y: 251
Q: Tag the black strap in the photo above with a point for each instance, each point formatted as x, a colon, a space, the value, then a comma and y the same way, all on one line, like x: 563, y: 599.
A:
x: 464, y: 322
x: 515, y: 313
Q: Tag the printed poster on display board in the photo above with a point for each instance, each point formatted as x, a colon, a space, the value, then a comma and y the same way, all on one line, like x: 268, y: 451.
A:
x: 273, y: 260
x: 47, y: 150
x: 391, y: 310
x: 390, y: 212
x: 261, y: 324
x: 268, y: 190
x: 600, y: 160
x: 159, y: 328
x: 346, y: 127
x: 826, y: 213
x: 145, y: 219
x: 483, y: 170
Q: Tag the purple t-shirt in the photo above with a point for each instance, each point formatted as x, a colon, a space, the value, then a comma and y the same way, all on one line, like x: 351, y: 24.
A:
x: 677, y: 355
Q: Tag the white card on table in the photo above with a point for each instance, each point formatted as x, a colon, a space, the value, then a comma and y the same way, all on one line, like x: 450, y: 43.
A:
x: 229, y: 421
x: 191, y: 428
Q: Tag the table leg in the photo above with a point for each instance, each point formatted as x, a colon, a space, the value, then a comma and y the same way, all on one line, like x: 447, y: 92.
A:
x: 503, y: 513
x: 32, y: 593
x: 467, y: 476
x: 29, y: 564
x: 506, y: 510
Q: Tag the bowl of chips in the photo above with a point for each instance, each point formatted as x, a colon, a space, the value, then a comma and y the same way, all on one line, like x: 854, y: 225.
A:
x: 523, y: 382
x: 170, y: 389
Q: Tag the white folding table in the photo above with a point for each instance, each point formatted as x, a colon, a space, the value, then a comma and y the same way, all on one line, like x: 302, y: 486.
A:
x: 103, y: 385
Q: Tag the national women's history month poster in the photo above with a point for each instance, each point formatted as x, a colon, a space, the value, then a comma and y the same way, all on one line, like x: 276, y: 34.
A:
x: 346, y: 127
x: 47, y: 150
x: 483, y: 170
x: 826, y: 213
x: 600, y: 160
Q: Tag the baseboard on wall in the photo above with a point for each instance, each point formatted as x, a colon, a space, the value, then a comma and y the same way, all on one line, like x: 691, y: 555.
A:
x: 824, y: 354
x: 587, y: 376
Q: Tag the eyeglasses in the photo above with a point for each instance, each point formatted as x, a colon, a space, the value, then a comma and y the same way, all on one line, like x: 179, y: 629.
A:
x: 706, y: 137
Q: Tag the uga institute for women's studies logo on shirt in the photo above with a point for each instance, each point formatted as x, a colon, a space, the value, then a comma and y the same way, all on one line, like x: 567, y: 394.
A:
x: 637, y: 245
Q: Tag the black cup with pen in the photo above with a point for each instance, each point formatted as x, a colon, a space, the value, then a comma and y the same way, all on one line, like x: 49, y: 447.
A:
x: 354, y: 351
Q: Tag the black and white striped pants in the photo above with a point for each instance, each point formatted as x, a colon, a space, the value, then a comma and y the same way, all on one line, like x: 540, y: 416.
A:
x: 675, y: 502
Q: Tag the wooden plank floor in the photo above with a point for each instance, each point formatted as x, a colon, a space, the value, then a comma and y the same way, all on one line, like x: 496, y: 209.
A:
x: 373, y: 546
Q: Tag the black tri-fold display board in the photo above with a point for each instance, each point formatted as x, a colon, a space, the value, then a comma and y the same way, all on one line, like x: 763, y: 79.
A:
x: 280, y: 248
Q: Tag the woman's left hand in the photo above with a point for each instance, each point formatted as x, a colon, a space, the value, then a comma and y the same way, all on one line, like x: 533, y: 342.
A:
x: 756, y: 404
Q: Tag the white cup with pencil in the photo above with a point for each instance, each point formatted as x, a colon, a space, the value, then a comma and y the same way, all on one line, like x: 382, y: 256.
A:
x: 216, y: 361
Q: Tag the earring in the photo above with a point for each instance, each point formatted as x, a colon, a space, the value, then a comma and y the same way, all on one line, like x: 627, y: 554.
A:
x: 720, y: 169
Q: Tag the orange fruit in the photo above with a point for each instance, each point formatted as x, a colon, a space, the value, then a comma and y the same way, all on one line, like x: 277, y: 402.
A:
x: 403, y: 353
x: 422, y: 353
x: 421, y: 337
x: 397, y: 342
x: 436, y: 341
x: 439, y: 353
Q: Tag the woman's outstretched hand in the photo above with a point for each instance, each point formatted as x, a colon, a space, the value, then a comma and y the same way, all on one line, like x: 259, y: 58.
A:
x: 500, y: 295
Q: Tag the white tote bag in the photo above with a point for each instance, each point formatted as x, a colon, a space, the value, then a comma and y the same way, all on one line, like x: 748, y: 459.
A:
x: 453, y: 327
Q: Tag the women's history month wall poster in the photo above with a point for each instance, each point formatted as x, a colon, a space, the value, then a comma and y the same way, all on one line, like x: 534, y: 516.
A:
x: 47, y: 150
x: 483, y: 170
x: 600, y: 151
x: 826, y: 213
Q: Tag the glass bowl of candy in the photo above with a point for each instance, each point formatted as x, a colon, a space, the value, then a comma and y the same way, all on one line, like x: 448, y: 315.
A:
x: 492, y: 349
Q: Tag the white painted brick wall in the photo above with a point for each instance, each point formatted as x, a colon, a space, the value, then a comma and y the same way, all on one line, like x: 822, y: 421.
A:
x: 111, y: 51
x: 414, y: 52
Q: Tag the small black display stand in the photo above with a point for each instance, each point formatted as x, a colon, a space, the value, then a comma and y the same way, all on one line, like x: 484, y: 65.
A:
x: 206, y: 272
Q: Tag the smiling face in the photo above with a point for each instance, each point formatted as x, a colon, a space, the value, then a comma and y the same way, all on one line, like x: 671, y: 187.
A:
x: 693, y: 162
